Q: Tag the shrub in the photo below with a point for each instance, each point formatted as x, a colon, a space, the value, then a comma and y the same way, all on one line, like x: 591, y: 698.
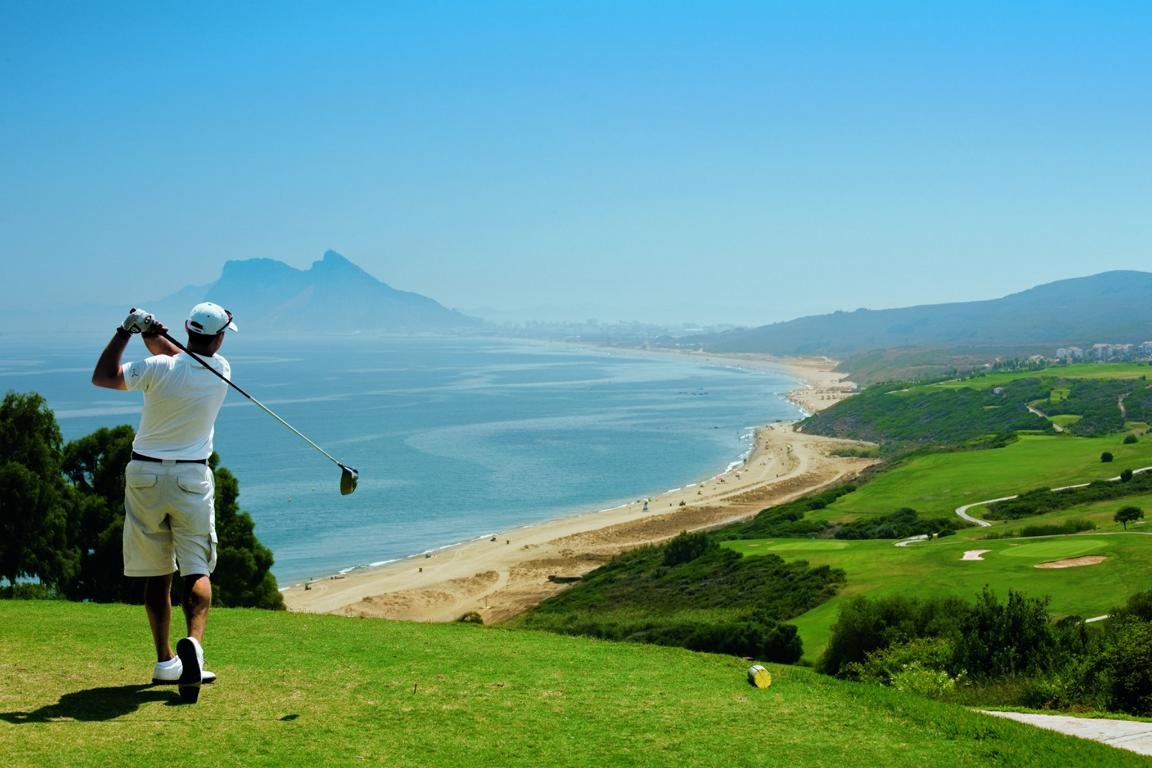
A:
x: 866, y: 626
x: 1005, y: 640
x: 1078, y: 525
x: 1123, y: 669
x: 1139, y: 606
x: 687, y: 547
x: 754, y: 637
x: 1106, y: 457
x: 923, y: 681
x: 884, y: 664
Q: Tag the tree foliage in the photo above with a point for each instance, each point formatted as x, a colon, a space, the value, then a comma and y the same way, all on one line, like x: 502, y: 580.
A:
x: 95, y: 466
x: 1128, y: 514
x: 35, y: 500
x: 1004, y: 640
x: 866, y: 626
x: 687, y: 547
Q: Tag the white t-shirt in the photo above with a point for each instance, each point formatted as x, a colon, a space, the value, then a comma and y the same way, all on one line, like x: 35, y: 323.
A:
x: 181, y: 400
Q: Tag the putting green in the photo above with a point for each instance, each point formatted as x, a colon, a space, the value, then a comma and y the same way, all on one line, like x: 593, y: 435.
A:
x: 1049, y: 550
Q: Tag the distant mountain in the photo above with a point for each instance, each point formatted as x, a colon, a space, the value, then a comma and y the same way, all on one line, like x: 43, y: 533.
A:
x: 333, y: 294
x: 1112, y: 307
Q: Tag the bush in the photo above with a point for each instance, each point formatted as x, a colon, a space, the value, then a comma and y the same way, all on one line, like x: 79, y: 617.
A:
x: 1005, y: 640
x: 687, y: 547
x: 883, y: 665
x: 754, y: 637
x: 1106, y: 457
x: 1078, y: 525
x: 923, y: 681
x: 867, y: 626
x: 26, y: 591
x: 1123, y: 669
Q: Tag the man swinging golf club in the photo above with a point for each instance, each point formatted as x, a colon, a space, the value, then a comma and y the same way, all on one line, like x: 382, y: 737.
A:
x: 169, y: 489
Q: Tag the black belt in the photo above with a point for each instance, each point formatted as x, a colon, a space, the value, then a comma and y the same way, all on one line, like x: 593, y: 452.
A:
x: 142, y: 457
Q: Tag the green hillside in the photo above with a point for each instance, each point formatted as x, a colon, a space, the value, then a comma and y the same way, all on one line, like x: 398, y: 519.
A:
x: 321, y: 690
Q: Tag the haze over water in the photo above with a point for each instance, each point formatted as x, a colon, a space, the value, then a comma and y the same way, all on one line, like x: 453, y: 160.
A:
x: 454, y: 438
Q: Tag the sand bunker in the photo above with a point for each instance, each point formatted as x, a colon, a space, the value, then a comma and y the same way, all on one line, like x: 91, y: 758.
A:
x: 975, y: 554
x: 1072, y: 562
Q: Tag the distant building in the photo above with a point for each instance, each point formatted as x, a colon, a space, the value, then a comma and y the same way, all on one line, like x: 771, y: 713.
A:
x: 1105, y: 352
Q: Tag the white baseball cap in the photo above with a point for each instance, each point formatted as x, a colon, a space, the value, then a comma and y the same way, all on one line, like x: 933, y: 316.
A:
x: 209, y: 319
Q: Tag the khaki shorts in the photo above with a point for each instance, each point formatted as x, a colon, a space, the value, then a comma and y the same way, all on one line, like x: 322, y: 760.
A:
x: 169, y: 519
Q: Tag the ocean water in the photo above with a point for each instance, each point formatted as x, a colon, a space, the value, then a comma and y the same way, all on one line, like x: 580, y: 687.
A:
x: 455, y: 439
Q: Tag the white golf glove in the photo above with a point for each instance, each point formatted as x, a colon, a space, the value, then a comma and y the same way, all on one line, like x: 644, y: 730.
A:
x: 138, y: 321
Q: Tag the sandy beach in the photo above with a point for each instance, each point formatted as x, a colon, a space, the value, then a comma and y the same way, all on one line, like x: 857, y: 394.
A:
x: 505, y: 574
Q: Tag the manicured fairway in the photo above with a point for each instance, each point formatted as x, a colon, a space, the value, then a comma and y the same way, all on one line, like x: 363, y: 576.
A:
x: 935, y: 484
x: 938, y: 568
x: 1077, y: 371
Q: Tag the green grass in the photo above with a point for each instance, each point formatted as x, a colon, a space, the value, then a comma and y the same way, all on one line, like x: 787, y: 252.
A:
x: 1077, y: 371
x: 935, y: 484
x: 937, y: 569
x: 329, y: 691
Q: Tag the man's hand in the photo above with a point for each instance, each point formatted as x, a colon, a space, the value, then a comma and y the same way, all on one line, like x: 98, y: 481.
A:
x: 139, y: 321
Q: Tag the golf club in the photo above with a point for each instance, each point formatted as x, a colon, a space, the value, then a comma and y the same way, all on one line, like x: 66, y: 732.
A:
x: 348, y: 475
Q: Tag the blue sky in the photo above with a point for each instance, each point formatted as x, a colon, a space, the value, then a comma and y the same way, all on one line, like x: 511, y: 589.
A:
x: 705, y: 162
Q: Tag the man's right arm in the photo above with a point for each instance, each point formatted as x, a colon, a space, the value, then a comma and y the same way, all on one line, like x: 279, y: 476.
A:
x: 108, y: 372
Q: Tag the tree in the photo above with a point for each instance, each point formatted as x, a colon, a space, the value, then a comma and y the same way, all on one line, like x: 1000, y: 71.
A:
x: 1106, y: 457
x: 34, y: 498
x: 95, y: 466
x: 1126, y: 515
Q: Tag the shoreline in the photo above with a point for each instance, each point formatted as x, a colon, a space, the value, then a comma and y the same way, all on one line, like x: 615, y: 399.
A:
x: 502, y: 574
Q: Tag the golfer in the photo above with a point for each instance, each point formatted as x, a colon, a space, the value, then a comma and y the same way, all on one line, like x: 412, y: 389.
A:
x: 169, y: 489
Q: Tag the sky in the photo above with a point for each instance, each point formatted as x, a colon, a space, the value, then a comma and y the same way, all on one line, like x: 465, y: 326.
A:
x: 706, y: 162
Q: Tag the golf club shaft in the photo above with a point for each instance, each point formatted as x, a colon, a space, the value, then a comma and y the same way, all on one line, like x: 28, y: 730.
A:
x: 261, y: 405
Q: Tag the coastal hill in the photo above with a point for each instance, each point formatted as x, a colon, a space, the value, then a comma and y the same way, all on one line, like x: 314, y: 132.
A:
x: 1111, y: 307
x: 333, y: 294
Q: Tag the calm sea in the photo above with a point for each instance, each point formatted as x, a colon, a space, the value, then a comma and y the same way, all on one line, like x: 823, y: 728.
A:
x: 455, y: 439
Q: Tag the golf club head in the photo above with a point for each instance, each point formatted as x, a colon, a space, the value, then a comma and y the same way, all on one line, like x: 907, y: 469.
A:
x: 348, y: 478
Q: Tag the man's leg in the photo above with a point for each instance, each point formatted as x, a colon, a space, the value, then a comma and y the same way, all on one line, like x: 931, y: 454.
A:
x: 158, y: 604
x: 197, y: 601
